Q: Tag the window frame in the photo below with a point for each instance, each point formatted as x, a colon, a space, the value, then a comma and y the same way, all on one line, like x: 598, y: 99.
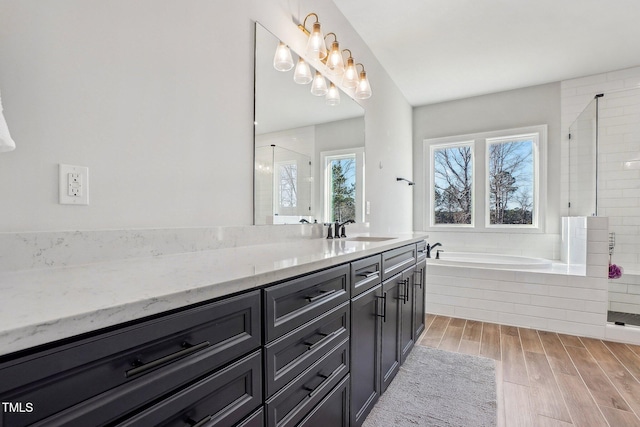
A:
x: 480, y: 214
x: 432, y: 197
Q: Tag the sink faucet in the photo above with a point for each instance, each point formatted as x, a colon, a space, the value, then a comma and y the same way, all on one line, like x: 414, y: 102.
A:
x: 340, y: 226
x: 429, y: 247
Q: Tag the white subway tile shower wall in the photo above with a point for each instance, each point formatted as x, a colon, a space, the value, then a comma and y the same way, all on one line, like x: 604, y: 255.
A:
x: 619, y: 130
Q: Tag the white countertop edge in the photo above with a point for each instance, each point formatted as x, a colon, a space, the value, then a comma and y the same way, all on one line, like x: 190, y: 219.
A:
x: 73, y: 316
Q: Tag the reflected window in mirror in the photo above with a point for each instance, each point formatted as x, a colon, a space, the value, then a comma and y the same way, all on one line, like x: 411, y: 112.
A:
x: 343, y: 184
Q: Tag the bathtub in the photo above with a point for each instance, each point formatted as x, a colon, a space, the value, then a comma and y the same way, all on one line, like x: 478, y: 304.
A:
x: 470, y: 259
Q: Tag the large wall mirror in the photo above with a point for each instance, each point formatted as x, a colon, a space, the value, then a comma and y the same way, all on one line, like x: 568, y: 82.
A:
x: 309, y: 156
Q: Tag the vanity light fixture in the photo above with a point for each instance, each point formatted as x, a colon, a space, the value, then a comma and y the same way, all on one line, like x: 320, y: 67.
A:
x: 316, y: 49
x: 319, y: 85
x: 302, y: 74
x: 333, y: 95
x: 350, y: 77
x: 335, y: 63
x: 282, y: 60
x: 363, y: 90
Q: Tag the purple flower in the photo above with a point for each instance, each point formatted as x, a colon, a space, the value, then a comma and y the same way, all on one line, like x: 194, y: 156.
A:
x: 615, y: 272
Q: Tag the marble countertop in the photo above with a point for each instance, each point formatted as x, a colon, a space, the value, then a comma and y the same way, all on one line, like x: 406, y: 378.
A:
x: 47, y: 304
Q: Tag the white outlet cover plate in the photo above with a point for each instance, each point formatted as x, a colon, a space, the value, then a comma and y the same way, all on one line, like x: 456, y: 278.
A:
x: 63, y: 180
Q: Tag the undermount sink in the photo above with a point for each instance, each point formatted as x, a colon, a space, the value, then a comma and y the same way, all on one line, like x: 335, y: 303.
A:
x: 369, y: 239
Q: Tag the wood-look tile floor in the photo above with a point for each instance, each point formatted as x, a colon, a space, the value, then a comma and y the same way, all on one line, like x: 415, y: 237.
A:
x: 545, y: 379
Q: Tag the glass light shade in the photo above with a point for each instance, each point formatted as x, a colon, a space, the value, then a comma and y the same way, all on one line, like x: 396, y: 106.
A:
x: 282, y: 60
x: 363, y: 91
x: 319, y: 85
x: 302, y: 74
x: 350, y: 77
x: 316, y: 48
x: 335, y: 63
x: 333, y: 95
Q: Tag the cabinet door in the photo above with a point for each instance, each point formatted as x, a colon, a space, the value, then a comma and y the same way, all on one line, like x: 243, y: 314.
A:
x: 419, y: 289
x: 390, y: 342
x: 366, y: 322
x: 406, y: 313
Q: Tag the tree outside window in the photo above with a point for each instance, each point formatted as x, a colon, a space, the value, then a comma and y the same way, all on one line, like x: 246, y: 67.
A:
x: 453, y: 185
x: 511, y: 180
x: 343, y: 189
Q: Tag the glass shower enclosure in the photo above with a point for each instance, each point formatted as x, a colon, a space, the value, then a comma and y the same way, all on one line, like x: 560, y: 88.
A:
x: 604, y: 180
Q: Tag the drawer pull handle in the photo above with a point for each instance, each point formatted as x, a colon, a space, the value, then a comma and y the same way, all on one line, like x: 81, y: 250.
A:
x: 200, y: 423
x: 189, y: 349
x: 369, y: 274
x: 321, y: 295
x: 384, y: 307
x: 316, y: 389
x: 312, y: 345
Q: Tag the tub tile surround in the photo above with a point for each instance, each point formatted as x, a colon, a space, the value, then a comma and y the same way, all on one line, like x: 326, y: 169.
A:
x: 565, y: 298
x: 56, y: 301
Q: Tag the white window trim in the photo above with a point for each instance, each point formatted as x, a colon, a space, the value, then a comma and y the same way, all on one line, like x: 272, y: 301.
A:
x: 325, y: 157
x: 480, y: 217
x: 432, y: 195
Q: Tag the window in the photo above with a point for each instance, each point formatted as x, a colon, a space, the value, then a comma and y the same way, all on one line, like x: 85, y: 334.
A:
x: 287, y: 184
x: 453, y: 184
x: 509, y: 164
x: 343, y: 187
x: 510, y: 179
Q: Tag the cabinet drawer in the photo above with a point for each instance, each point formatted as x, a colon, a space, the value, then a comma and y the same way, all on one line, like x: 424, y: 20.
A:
x: 221, y: 399
x: 396, y: 260
x: 421, y: 248
x: 62, y: 377
x: 254, y: 420
x: 294, y: 303
x: 365, y: 274
x: 289, y: 406
x: 333, y: 410
x: 291, y: 354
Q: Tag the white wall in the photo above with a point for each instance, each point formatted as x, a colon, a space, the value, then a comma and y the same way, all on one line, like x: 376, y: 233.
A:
x: 537, y: 105
x: 156, y: 98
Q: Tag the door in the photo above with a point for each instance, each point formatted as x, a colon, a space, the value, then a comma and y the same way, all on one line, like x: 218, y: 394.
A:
x: 391, y: 308
x: 419, y: 300
x: 366, y: 322
x: 406, y: 313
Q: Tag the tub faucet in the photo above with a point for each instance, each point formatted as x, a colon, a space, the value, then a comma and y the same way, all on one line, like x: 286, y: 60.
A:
x: 304, y: 221
x: 429, y: 247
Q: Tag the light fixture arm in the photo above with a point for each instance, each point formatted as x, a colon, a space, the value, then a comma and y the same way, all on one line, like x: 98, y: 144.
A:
x: 335, y: 38
x: 303, y: 26
x: 360, y: 64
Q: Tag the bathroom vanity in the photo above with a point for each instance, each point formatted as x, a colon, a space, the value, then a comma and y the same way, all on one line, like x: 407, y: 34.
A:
x: 311, y: 335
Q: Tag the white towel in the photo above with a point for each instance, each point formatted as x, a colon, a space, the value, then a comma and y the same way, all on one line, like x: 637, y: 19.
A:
x: 6, y: 143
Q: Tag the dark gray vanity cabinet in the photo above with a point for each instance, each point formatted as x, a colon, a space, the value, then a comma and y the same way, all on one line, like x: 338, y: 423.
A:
x: 420, y: 293
x: 105, y: 377
x: 397, y: 297
x: 392, y: 299
x: 307, y: 349
x: 366, y: 328
x: 314, y: 351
